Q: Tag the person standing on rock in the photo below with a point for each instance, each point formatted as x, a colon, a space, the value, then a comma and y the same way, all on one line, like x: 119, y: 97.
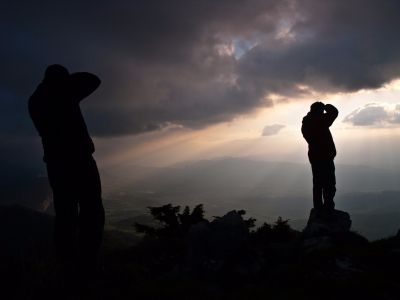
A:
x: 72, y: 171
x: 321, y: 152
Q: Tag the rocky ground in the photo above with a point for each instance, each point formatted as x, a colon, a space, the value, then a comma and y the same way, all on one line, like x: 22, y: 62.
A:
x: 189, y: 257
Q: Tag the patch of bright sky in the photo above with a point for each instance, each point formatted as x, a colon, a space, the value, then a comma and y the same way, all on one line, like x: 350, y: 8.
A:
x: 242, y: 46
x: 284, y: 30
x: 239, y: 46
x: 242, y: 137
x: 356, y: 144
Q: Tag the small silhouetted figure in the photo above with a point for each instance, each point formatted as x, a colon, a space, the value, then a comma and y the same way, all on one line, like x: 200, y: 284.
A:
x: 321, y: 152
x: 72, y: 171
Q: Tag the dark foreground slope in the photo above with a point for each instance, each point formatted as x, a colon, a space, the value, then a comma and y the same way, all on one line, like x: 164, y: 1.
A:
x: 188, y: 257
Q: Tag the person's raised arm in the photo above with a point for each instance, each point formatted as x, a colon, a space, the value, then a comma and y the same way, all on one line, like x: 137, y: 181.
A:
x: 82, y: 84
x: 330, y: 115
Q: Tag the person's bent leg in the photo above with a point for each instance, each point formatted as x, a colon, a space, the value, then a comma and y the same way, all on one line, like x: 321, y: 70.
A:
x: 317, y: 185
x: 91, y: 217
x: 66, y: 213
x: 329, y: 189
x: 91, y: 224
x: 66, y: 228
x: 65, y: 224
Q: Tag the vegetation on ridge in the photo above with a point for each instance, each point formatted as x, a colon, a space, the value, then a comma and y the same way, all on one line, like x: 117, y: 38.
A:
x: 189, y: 257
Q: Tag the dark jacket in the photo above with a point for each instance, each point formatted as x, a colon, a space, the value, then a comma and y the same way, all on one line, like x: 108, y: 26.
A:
x: 54, y: 109
x: 316, y: 131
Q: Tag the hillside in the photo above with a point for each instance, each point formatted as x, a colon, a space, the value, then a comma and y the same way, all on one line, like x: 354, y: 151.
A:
x: 221, y: 258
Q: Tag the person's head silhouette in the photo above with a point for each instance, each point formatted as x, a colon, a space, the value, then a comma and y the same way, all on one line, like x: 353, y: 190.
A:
x: 56, y: 73
x: 317, y: 108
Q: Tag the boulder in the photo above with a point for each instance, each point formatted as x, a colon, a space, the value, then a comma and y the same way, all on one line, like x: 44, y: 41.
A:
x: 317, y: 243
x: 229, y: 231
x: 327, y: 223
x: 325, y: 229
x: 210, y: 244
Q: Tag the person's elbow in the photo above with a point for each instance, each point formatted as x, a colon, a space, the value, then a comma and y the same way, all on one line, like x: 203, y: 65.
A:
x: 331, y: 110
x: 96, y: 81
x: 92, y: 81
x: 83, y: 84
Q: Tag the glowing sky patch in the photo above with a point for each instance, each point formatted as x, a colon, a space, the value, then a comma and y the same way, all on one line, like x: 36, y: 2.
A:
x: 242, y: 46
x: 242, y: 136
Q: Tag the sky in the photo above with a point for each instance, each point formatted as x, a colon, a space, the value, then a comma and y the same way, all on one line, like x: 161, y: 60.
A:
x: 187, y: 80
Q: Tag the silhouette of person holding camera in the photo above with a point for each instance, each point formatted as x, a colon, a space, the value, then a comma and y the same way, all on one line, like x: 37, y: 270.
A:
x: 72, y: 171
x: 321, y: 152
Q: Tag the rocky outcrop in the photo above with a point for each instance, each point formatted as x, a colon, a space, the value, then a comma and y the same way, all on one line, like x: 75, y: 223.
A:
x: 324, y: 228
x: 210, y: 244
x: 325, y: 223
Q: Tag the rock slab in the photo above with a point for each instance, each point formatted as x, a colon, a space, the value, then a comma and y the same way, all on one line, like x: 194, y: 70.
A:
x: 327, y: 223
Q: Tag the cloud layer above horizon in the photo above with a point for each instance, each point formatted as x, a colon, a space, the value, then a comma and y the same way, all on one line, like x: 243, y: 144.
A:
x: 272, y: 129
x: 375, y: 114
x: 193, y: 63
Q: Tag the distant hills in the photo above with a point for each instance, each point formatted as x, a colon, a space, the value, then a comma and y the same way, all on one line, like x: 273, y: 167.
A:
x: 264, y: 189
x: 246, y: 175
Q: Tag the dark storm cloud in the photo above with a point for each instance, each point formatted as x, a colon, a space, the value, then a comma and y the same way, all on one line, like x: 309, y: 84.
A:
x: 193, y: 63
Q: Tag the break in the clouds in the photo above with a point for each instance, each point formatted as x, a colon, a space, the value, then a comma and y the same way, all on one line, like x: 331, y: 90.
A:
x: 375, y: 114
x: 193, y: 63
x: 272, y: 129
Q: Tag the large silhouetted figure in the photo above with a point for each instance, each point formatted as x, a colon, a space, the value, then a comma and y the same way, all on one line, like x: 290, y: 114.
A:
x: 72, y: 171
x: 321, y: 152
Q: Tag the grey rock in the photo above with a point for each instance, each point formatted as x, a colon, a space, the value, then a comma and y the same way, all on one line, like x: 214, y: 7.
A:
x: 317, y: 243
x: 327, y: 223
x: 230, y: 228
x: 346, y: 265
x: 210, y: 244
x: 322, y: 229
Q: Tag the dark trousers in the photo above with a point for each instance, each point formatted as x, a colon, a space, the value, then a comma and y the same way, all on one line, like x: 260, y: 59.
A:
x: 324, y: 183
x: 79, y: 210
